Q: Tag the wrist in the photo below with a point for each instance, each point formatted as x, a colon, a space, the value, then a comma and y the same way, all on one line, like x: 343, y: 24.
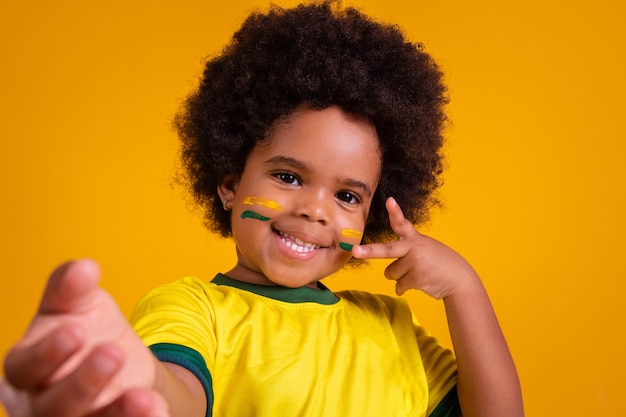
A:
x: 465, y: 287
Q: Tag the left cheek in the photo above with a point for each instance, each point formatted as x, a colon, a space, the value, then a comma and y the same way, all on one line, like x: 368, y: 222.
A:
x: 259, y: 208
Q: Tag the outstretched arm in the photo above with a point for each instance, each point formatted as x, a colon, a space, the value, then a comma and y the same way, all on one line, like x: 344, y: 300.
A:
x: 80, y: 357
x: 487, y: 382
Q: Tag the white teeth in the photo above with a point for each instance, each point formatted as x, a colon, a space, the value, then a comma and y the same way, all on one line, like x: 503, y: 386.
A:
x: 296, y: 244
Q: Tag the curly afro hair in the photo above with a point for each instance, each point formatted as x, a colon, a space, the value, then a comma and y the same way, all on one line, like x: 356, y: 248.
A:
x: 318, y: 55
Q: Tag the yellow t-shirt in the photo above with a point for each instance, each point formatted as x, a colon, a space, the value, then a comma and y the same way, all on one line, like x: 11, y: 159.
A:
x: 271, y: 351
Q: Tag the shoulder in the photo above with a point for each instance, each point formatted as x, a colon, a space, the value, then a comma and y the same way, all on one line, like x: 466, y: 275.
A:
x: 368, y: 299
x: 181, y: 295
x: 393, y: 308
x: 190, y: 285
x: 187, y: 287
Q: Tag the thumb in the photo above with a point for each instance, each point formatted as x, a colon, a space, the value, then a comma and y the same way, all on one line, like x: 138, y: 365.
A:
x: 70, y: 288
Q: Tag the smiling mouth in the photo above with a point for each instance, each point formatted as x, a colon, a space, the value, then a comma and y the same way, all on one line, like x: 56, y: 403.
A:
x: 296, y: 244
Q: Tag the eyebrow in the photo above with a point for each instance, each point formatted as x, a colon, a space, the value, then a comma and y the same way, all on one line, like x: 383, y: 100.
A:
x: 280, y: 159
x: 359, y: 184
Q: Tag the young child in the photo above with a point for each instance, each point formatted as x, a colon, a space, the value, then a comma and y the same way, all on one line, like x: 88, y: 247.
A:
x: 304, y: 140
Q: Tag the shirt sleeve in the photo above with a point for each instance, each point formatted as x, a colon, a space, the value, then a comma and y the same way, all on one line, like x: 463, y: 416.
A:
x: 176, y: 322
x: 440, y: 368
x: 190, y: 360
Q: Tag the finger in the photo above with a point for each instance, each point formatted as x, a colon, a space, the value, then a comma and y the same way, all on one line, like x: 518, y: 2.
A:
x: 28, y: 367
x: 74, y: 395
x: 401, y: 287
x: 396, y: 249
x: 15, y: 402
x: 399, y: 224
x: 396, y: 270
x: 136, y: 402
x: 387, y: 250
x: 70, y: 287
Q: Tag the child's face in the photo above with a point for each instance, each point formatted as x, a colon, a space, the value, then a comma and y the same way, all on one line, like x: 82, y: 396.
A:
x: 303, y: 198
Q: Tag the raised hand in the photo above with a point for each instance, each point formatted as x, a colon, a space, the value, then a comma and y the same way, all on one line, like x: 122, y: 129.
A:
x: 79, y: 356
x: 422, y: 263
x: 487, y: 380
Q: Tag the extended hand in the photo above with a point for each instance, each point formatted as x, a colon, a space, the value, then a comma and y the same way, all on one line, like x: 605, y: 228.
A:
x: 75, y: 358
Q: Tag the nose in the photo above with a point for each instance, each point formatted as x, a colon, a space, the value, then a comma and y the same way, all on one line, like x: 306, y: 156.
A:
x: 314, y: 205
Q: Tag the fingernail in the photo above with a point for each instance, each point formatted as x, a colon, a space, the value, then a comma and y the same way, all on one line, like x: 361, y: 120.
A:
x: 67, y: 340
x: 106, y: 363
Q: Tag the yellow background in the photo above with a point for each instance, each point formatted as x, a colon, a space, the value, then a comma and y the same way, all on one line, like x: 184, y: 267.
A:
x: 534, y: 193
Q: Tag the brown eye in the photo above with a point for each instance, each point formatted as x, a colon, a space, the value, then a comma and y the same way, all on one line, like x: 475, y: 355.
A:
x: 348, y: 197
x: 288, y: 178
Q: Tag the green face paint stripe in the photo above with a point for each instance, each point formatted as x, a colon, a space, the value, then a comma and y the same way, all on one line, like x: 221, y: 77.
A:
x: 345, y: 246
x: 249, y: 214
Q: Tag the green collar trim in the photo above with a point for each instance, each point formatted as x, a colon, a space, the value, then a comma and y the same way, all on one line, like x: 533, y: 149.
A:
x: 290, y: 295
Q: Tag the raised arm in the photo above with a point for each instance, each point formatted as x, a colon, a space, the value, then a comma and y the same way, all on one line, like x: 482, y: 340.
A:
x: 487, y: 382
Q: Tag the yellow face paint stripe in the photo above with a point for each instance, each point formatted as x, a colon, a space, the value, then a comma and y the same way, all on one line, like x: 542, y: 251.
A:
x: 260, y: 201
x: 356, y: 234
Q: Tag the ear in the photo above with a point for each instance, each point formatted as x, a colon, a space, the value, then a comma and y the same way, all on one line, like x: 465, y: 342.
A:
x: 226, y: 190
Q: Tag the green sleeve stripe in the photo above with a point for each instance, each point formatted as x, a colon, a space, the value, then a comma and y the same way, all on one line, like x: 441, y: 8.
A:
x: 190, y: 360
x: 448, y: 406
